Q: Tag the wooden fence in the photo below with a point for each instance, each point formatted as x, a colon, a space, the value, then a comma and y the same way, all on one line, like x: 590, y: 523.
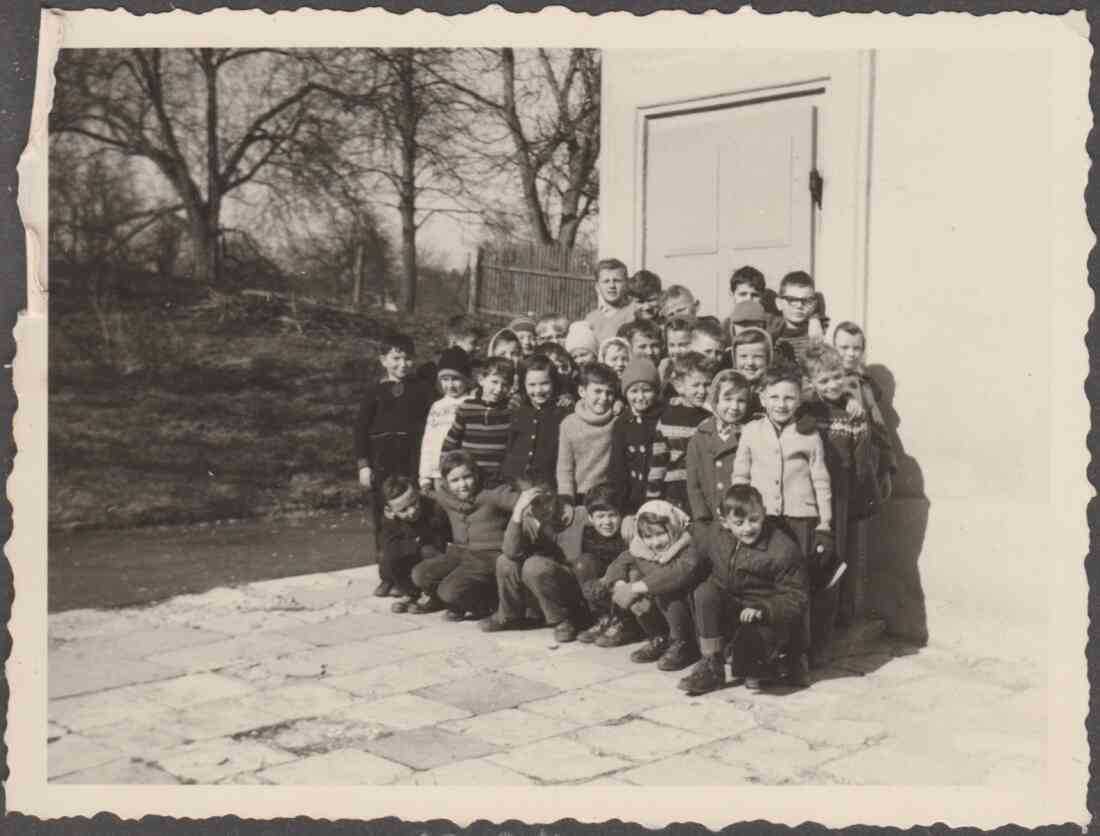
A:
x: 522, y: 278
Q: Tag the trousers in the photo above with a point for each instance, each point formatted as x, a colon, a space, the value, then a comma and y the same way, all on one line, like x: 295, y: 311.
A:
x: 551, y: 584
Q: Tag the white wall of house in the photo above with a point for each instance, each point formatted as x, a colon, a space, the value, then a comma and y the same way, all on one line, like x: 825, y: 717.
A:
x: 936, y: 235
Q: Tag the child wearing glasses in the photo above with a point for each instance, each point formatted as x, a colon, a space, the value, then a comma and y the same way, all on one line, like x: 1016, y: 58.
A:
x: 800, y: 324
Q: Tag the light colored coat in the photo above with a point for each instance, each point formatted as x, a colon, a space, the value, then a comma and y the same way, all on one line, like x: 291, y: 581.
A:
x: 788, y: 468
x: 440, y: 418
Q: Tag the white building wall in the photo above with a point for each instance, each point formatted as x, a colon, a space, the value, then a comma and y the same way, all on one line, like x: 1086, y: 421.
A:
x: 938, y: 239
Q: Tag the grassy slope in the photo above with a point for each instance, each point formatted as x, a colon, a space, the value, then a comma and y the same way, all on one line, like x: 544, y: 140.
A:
x: 237, y: 409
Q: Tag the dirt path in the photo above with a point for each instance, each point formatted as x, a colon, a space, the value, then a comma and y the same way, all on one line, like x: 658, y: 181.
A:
x: 142, y: 565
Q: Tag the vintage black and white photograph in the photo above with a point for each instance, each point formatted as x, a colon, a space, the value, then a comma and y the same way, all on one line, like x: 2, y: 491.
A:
x: 630, y: 415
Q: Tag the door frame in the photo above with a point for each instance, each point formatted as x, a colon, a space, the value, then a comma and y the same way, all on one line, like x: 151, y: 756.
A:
x: 639, y: 85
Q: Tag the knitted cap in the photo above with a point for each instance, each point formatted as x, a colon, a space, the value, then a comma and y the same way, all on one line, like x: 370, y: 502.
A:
x: 749, y: 311
x: 454, y: 361
x: 640, y: 370
x: 522, y: 323
x: 580, y: 336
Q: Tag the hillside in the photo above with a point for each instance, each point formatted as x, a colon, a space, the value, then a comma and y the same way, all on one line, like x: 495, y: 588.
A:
x: 173, y: 406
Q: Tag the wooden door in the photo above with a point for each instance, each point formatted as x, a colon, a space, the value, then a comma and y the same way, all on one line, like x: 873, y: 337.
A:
x: 729, y: 187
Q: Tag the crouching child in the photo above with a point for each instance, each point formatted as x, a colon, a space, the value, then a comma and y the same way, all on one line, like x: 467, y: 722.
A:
x: 534, y: 565
x: 654, y: 579
x: 752, y: 606
x: 414, y: 528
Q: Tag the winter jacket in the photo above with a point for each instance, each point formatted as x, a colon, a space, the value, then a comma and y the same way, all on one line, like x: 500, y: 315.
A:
x: 440, y: 418
x: 532, y: 445
x: 710, y: 468
x: 390, y: 424
x: 631, y: 467
x: 482, y: 430
x: 478, y: 524
x: 768, y: 575
x: 584, y: 451
x: 788, y: 467
x: 673, y: 572
x: 426, y: 536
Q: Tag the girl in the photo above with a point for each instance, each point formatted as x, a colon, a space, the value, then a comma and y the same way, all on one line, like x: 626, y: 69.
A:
x: 454, y: 383
x: 463, y: 581
x: 654, y: 579
x: 567, y: 372
x: 711, y: 451
x: 532, y: 446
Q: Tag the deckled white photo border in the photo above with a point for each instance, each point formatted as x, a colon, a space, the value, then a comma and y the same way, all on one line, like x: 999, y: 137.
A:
x: 1062, y: 799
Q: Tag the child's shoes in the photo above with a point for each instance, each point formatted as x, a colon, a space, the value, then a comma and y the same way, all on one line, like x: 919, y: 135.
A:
x: 619, y: 633
x: 454, y: 615
x: 590, y: 635
x: 564, y: 631
x: 797, y: 671
x: 651, y: 651
x: 678, y: 656
x: 383, y: 590
x: 709, y: 674
x: 427, y: 605
x: 402, y: 604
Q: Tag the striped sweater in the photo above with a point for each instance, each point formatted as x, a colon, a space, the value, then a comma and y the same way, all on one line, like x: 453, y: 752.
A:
x: 668, y: 472
x: 481, y: 429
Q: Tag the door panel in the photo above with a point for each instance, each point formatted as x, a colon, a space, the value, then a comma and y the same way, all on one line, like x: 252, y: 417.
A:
x: 757, y: 206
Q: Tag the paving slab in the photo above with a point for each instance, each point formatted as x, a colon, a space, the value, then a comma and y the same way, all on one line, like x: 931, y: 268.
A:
x: 470, y: 773
x: 75, y: 625
x: 218, y: 718
x: 564, y: 672
x: 342, y: 767
x: 71, y: 673
x: 428, y: 747
x: 558, y: 760
x: 589, y: 706
x: 74, y: 752
x: 232, y: 651
x: 403, y: 711
x: 123, y: 771
x: 399, y: 677
x: 832, y: 732
x: 184, y: 691
x: 242, y: 622
x: 712, y: 718
x: 688, y: 770
x: 482, y: 693
x: 291, y: 702
x: 207, y: 761
x: 139, y: 739
x: 105, y: 708
x: 317, y: 735
x: 771, y: 757
x: 139, y: 644
x: 510, y: 727
x: 347, y: 628
x: 639, y: 740
x: 881, y: 765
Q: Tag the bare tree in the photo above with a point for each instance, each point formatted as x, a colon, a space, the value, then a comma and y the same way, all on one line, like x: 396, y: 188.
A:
x: 548, y: 103
x: 210, y: 120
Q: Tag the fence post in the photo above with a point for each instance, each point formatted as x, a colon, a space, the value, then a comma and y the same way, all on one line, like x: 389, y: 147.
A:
x: 474, y: 286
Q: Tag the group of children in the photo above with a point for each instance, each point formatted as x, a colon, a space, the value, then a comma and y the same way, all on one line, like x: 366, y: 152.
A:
x: 647, y: 473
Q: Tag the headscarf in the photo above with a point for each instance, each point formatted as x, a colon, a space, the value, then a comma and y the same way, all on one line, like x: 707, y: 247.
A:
x: 676, y: 522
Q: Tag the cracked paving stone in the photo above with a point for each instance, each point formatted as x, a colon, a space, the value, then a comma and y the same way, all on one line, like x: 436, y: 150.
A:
x: 558, y: 760
x: 710, y: 718
x: 639, y: 740
x: 207, y: 761
x: 324, y: 734
x: 428, y: 748
x: 347, y: 628
x: 772, y: 757
x: 687, y: 771
x: 123, y: 771
x: 484, y: 693
x: 74, y: 752
x: 342, y: 767
x: 469, y: 773
x: 510, y: 727
x: 404, y: 711
x: 832, y: 732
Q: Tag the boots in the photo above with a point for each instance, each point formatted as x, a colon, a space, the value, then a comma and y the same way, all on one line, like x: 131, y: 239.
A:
x: 709, y: 674
x: 651, y: 651
x: 679, y: 654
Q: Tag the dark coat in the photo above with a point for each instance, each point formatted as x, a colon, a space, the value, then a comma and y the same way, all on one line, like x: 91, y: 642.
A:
x: 768, y: 575
x: 532, y: 445
x: 425, y: 537
x: 390, y: 424
x: 709, y: 468
x: 629, y: 473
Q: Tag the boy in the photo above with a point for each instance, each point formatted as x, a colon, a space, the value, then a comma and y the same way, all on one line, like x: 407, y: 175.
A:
x: 613, y: 306
x: 755, y: 597
x: 584, y: 438
x: 677, y: 344
x: 678, y: 301
x: 533, y: 563
x: 551, y: 328
x: 786, y: 463
x: 605, y: 536
x: 390, y: 424
x: 711, y: 451
x: 751, y: 355
x: 644, y: 288
x: 454, y: 383
x: 746, y: 284
x: 415, y: 528
x: 581, y: 344
x: 524, y: 329
x: 797, y: 326
x: 633, y: 436
x: 644, y: 336
x: 707, y: 340
x: 481, y: 424
x: 675, y: 428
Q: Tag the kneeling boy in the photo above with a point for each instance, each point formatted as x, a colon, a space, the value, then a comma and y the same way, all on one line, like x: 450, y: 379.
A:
x: 756, y: 597
x: 414, y: 528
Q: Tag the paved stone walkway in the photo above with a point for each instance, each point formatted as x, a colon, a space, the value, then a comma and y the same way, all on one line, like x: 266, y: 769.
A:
x: 310, y: 680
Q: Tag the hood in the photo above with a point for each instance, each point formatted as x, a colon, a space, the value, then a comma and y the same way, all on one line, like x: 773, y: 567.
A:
x: 610, y: 341
x: 497, y: 336
x: 677, y: 522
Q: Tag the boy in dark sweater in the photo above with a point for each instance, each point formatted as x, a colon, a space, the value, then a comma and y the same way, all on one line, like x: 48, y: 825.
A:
x: 481, y: 424
x: 677, y: 424
x: 633, y: 435
x: 415, y: 528
x: 799, y: 325
x: 755, y: 597
x: 605, y: 536
x: 389, y: 426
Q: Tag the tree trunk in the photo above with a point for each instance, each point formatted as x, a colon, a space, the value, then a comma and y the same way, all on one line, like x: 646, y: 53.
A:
x: 213, y: 166
x: 204, y: 248
x: 408, y: 118
x: 357, y: 290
